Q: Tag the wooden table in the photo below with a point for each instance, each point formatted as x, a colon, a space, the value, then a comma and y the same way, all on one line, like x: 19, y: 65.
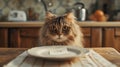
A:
x: 7, y: 54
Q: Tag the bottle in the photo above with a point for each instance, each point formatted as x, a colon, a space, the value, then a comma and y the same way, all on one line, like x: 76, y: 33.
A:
x: 82, y: 14
x: 80, y: 11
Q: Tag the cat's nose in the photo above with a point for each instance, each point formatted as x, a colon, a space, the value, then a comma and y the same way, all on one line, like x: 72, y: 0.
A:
x: 60, y: 36
x: 59, y: 33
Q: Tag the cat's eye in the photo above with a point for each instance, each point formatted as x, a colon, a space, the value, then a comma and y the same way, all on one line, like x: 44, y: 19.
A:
x: 65, y: 28
x: 53, y: 29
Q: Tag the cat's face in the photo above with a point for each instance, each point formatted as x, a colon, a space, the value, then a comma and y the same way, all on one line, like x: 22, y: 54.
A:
x: 60, y: 28
x: 59, y: 31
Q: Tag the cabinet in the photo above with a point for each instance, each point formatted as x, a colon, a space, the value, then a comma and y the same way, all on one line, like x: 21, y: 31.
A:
x: 3, y: 37
x: 27, y: 37
x: 23, y: 37
x: 112, y: 38
x: 92, y: 37
x: 102, y: 37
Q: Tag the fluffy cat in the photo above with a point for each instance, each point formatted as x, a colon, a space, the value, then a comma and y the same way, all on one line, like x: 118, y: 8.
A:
x: 61, y: 30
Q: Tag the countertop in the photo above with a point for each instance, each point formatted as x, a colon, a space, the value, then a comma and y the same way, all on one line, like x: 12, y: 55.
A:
x: 39, y: 24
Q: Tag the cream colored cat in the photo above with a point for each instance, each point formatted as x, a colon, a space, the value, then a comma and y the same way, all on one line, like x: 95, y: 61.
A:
x: 61, y: 30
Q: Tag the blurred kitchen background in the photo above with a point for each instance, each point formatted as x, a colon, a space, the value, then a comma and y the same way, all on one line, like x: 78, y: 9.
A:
x: 34, y: 9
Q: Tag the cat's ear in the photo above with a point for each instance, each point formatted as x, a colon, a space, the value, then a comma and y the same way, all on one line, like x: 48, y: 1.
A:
x: 49, y: 15
x: 70, y: 16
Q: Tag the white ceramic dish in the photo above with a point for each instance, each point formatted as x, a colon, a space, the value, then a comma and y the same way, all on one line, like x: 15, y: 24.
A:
x: 57, y: 52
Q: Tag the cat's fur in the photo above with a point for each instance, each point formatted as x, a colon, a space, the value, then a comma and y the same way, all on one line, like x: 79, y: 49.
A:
x: 61, y: 30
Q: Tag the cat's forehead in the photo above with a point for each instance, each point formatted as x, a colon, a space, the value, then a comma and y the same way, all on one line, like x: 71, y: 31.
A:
x: 60, y: 20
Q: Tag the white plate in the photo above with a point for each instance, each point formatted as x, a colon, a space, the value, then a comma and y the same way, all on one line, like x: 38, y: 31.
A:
x: 57, y: 52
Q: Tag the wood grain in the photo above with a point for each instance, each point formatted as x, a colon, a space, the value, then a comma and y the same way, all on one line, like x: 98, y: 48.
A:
x: 87, y: 36
x: 14, y: 37
x: 117, y: 39
x: 96, y: 37
x: 117, y: 31
x: 3, y: 37
x: 29, y: 32
x: 110, y: 54
x: 87, y: 42
x: 86, y: 31
x: 109, y: 39
x: 39, y: 24
x: 24, y: 37
x: 7, y: 54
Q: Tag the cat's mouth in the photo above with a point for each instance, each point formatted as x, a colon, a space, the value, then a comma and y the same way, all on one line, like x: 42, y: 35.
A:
x: 59, y: 38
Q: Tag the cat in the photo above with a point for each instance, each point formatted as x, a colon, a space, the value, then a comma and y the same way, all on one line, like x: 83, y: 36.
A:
x: 61, y: 30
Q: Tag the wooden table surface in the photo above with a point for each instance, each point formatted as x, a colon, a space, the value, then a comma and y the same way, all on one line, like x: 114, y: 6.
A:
x: 7, y: 54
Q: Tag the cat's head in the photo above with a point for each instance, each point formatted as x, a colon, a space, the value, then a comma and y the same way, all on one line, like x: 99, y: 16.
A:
x: 60, y: 28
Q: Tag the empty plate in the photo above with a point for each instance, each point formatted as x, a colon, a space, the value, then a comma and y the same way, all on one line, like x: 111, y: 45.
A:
x: 57, y: 52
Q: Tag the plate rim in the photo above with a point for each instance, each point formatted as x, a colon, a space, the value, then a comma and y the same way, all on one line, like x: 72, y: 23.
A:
x: 54, y: 58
